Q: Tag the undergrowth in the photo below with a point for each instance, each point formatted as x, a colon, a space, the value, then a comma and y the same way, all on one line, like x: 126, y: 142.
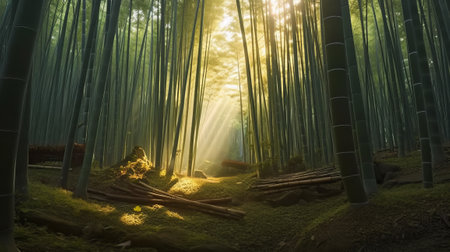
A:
x: 264, y: 228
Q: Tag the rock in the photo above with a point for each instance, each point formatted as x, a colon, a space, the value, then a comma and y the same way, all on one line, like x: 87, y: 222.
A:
x: 389, y: 176
x: 381, y: 169
x: 212, y: 248
x: 301, y: 196
x: 389, y: 184
x: 309, y: 195
x: 325, y: 192
x: 286, y: 199
x: 200, y: 174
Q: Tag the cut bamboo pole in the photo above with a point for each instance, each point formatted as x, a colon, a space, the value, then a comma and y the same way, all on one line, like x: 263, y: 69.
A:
x: 199, y: 204
x: 176, y: 201
x: 46, y: 167
x: 302, y: 182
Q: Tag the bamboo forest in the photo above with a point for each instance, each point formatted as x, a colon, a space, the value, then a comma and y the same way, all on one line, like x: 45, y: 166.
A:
x: 224, y: 125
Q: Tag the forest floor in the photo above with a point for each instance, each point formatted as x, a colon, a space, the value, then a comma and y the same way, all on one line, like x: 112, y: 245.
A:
x: 402, y: 216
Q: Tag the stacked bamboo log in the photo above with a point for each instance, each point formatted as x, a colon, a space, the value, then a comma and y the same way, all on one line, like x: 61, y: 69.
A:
x: 144, y: 194
x: 293, y: 181
x: 235, y: 164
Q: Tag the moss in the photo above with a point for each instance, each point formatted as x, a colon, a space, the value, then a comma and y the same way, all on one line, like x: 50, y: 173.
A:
x: 392, y: 216
x: 235, y: 186
x: 411, y: 163
x: 263, y: 228
x: 33, y: 238
x: 410, y: 195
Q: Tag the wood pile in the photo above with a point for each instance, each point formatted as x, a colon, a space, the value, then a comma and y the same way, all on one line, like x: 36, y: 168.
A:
x: 39, y: 154
x: 294, y: 181
x: 235, y: 164
x: 144, y: 194
x: 46, y: 167
x: 135, y: 165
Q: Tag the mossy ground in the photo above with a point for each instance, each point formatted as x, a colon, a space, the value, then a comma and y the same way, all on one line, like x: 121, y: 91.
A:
x: 403, y: 218
x: 406, y: 210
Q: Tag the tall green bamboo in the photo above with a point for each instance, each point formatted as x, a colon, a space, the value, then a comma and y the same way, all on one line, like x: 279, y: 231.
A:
x: 334, y: 43
x: 362, y: 130
x: 21, y: 177
x: 442, y: 13
x: 79, y: 94
x: 417, y: 82
x: 256, y: 137
x: 13, y: 80
x: 183, y: 94
x: 81, y: 190
x: 195, y: 109
x: 433, y: 121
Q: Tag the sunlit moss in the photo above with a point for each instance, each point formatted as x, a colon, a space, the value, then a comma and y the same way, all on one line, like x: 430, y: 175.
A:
x: 44, y: 195
x: 132, y: 219
x: 186, y: 186
x: 155, y: 207
x: 106, y: 209
x: 174, y: 215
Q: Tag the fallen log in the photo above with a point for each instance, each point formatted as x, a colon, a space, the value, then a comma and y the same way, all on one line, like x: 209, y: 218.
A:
x: 121, y: 189
x: 267, y: 192
x: 282, y: 181
x: 131, y: 199
x: 287, y: 189
x: 38, y: 154
x: 237, y: 213
x: 45, y: 167
x: 216, y: 201
x: 141, y: 191
x: 98, y: 197
x: 293, y: 176
x: 136, y: 189
x: 53, y: 223
x: 175, y: 201
x: 301, y: 182
x: 236, y: 164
